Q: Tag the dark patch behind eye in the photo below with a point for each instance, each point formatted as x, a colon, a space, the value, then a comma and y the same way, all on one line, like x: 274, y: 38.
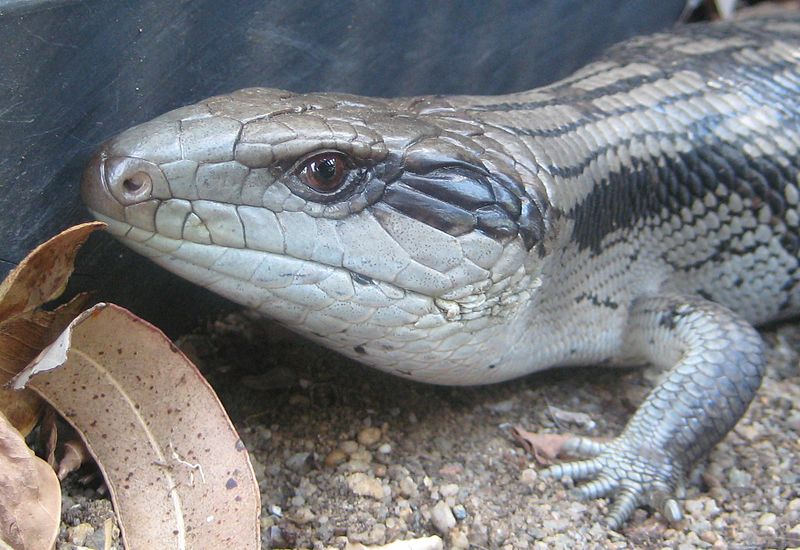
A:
x: 458, y: 201
x: 434, y: 212
x: 462, y: 190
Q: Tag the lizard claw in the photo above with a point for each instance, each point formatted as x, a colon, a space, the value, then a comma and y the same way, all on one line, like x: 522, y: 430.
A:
x: 633, y: 475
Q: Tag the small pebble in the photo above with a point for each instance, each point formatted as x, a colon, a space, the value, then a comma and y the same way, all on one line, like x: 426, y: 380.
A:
x: 78, y: 534
x: 528, y: 477
x: 459, y: 540
x: 276, y: 537
x: 335, y: 457
x: 767, y: 519
x: 793, y: 422
x: 303, y: 515
x: 408, y: 488
x: 376, y: 535
x: 369, y: 437
x: 348, y: 446
x: 385, y: 449
x: 449, y: 490
x: 498, y: 533
x: 451, y: 470
x: 739, y: 479
x: 361, y: 455
x: 709, y: 536
x: 748, y: 432
x: 356, y: 466
x: 460, y: 512
x: 501, y: 406
x: 299, y: 463
x: 364, y: 485
x: 693, y: 506
x: 442, y: 518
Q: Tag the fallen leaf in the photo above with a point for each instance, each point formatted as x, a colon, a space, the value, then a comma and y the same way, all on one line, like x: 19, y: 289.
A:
x: 39, y: 278
x: 42, y: 276
x: 48, y: 435
x: 545, y: 448
x: 30, y: 510
x: 177, y: 472
x: 21, y: 339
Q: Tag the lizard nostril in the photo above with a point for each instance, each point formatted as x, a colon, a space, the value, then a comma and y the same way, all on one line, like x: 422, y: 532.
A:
x: 133, y: 180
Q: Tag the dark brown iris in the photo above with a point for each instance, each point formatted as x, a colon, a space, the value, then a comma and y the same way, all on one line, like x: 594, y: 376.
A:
x: 324, y: 172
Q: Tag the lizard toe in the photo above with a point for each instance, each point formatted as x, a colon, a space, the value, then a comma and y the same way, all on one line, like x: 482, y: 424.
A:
x: 625, y: 503
x: 578, y: 470
x: 596, y: 488
x: 584, y: 446
x: 631, y: 474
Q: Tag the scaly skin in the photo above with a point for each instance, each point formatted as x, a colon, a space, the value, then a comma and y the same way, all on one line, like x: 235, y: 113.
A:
x: 643, y: 209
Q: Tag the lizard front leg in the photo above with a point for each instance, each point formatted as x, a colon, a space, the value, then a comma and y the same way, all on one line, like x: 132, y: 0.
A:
x: 715, y: 361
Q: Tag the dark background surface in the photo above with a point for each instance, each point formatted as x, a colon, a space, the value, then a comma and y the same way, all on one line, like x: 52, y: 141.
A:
x: 74, y: 73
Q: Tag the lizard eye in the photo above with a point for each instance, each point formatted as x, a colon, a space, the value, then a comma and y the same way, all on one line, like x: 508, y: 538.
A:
x: 324, y: 172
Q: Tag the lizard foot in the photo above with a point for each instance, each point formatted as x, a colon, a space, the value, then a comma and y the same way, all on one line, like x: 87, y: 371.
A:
x: 631, y: 472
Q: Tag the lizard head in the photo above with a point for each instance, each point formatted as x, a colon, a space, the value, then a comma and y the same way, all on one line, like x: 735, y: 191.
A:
x: 389, y: 229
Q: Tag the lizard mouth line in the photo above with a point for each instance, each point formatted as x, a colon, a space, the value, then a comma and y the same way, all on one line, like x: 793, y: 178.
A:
x: 156, y: 246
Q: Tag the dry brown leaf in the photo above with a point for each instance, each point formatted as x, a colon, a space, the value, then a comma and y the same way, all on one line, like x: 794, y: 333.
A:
x: 545, y: 448
x: 175, y: 467
x: 43, y: 274
x: 21, y: 339
x: 30, y: 507
x: 24, y: 331
x: 48, y: 436
x: 22, y: 409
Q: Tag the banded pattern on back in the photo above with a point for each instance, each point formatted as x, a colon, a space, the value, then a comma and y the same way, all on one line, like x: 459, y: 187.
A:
x: 672, y: 140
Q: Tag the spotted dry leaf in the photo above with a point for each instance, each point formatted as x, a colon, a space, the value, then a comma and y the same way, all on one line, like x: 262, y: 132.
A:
x: 30, y: 507
x: 42, y: 276
x: 21, y: 339
x: 24, y: 328
x: 175, y: 467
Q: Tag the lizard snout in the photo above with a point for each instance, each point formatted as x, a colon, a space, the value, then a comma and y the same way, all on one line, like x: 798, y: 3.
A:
x: 110, y: 184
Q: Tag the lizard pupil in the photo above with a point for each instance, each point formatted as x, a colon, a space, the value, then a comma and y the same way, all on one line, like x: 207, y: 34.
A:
x: 326, y: 169
x: 324, y: 172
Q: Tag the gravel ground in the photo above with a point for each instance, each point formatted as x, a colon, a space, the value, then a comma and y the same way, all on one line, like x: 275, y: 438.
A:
x: 347, y: 454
